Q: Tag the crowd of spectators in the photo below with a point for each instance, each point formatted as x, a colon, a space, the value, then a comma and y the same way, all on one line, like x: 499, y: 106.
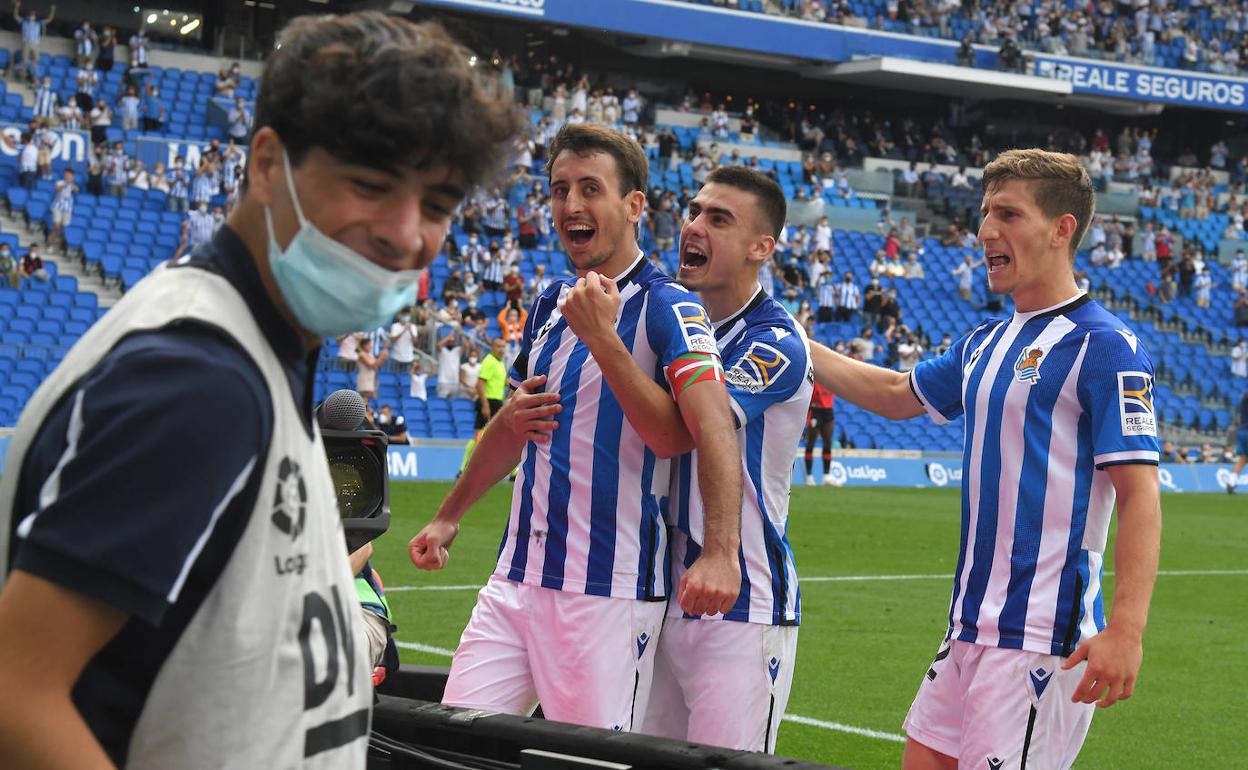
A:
x: 491, y: 280
x: 1206, y: 37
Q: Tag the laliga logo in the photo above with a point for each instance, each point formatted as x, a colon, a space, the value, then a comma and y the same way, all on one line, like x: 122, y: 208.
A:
x: 936, y: 472
x: 1167, y: 479
x: 837, y: 473
x: 841, y: 473
x: 1225, y: 477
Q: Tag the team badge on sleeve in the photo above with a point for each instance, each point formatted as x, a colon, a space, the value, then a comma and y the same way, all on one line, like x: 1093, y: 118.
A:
x: 695, y: 327
x: 1135, y: 404
x: 759, y: 367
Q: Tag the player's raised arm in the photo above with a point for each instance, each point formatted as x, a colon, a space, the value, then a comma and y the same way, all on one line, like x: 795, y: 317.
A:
x: 883, y: 391
x: 590, y: 309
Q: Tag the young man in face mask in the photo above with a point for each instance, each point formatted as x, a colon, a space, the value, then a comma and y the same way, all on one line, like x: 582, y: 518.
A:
x: 223, y: 573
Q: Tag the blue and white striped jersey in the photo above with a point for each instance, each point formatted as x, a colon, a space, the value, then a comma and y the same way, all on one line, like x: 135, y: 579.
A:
x: 769, y: 377
x: 1051, y: 399
x: 585, y: 512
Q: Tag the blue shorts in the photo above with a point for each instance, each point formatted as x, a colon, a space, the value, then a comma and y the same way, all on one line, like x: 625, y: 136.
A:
x: 1241, y: 442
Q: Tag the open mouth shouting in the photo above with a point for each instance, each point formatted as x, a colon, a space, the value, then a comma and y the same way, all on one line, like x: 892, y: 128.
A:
x: 997, y: 261
x: 693, y: 259
x: 579, y: 233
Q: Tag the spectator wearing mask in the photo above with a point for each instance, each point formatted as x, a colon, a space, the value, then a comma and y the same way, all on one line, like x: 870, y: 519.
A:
x: 367, y: 367
x: 33, y: 29
x: 128, y: 107
x: 202, y: 225
x: 239, y: 120
x: 1239, y: 359
x: 513, y: 285
x: 28, y: 161
x: 9, y: 267
x: 32, y: 264
x: 417, y: 381
x: 469, y: 374
x: 153, y: 110
x: 402, y: 340
x: 108, y: 50
x: 449, y: 351
x: 848, y: 300
x: 46, y: 100
x: 393, y: 425
x: 62, y: 207
x: 86, y: 46
x: 139, y: 48
x: 349, y: 351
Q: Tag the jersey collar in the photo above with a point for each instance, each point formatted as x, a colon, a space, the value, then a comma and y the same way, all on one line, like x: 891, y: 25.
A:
x: 631, y: 271
x: 1061, y: 308
x: 755, y: 299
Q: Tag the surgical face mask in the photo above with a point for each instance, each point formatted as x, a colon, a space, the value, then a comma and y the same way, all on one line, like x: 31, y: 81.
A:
x: 330, y: 288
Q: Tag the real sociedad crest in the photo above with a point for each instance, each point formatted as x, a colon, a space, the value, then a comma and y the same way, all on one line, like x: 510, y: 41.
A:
x: 1027, y: 367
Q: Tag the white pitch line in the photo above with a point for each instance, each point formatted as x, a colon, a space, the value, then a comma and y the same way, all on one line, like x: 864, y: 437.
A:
x: 871, y: 578
x: 868, y: 578
x: 424, y: 648
x: 837, y: 726
x: 390, y: 589
x: 795, y: 718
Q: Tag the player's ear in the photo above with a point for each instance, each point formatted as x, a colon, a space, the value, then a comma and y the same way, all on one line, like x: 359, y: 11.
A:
x: 762, y: 248
x: 636, y: 202
x: 1065, y: 230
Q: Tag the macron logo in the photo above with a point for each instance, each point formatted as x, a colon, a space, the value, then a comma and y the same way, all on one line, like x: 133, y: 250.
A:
x: 995, y: 764
x: 642, y: 642
x: 773, y: 668
x: 1040, y: 679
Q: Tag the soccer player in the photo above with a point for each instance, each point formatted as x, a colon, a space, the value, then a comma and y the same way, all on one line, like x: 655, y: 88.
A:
x: 571, y: 615
x: 1241, y: 443
x: 175, y: 604
x: 1060, y: 422
x: 725, y: 680
x: 820, y: 424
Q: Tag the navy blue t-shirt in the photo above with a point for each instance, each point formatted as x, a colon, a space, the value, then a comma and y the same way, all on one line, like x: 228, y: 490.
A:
x: 142, y: 480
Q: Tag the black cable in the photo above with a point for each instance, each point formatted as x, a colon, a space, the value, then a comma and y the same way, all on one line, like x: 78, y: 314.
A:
x: 433, y: 760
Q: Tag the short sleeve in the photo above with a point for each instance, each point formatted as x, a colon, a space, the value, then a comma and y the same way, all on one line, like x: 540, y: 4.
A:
x: 131, y: 473
x: 1116, y: 391
x: 767, y: 367
x: 677, y: 324
x: 937, y: 382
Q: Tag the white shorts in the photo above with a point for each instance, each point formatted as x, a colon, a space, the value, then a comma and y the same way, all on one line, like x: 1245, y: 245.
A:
x: 721, y: 682
x: 62, y: 218
x: 587, y: 659
x: 995, y: 707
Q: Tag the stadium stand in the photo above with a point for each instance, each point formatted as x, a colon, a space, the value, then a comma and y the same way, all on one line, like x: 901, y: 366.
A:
x: 823, y: 159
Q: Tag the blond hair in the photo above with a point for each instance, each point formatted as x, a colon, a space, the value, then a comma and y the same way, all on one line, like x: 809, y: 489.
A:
x: 1058, y: 182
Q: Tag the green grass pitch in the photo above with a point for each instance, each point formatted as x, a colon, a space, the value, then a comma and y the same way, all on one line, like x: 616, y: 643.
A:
x: 864, y: 645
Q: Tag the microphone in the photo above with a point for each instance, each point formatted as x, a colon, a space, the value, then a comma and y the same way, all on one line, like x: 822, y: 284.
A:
x: 342, y: 410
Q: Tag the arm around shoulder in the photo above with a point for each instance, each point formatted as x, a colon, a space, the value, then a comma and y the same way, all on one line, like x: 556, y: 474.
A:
x: 883, y: 391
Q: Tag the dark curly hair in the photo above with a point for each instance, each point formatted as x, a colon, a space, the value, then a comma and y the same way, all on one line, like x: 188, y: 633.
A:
x: 384, y: 92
